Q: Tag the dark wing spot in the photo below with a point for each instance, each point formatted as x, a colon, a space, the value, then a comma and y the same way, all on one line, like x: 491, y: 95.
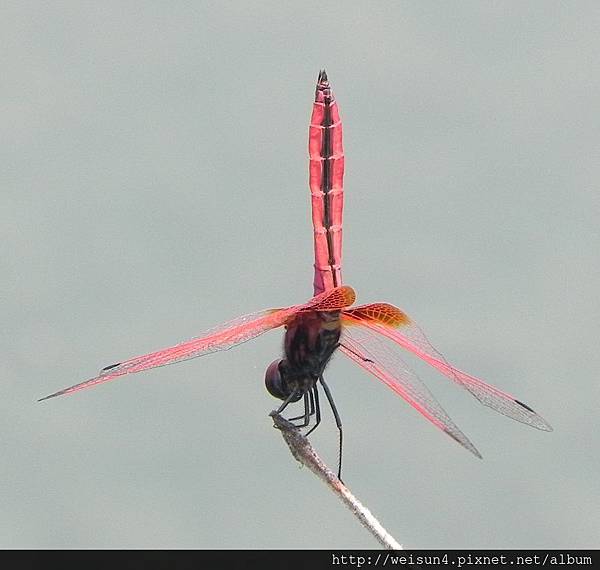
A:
x: 110, y: 366
x: 525, y: 406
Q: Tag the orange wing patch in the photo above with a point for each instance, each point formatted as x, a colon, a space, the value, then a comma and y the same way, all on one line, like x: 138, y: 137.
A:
x: 333, y: 300
x: 380, y: 313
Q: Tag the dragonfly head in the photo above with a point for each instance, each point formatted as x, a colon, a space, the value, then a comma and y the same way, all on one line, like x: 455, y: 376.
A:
x: 276, y: 382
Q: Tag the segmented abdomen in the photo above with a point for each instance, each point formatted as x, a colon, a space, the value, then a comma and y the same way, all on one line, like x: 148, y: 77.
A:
x: 326, y: 186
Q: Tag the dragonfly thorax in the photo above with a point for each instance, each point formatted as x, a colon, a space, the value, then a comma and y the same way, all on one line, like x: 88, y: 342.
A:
x: 310, y: 340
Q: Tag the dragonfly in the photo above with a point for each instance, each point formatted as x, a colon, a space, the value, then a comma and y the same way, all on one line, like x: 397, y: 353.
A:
x: 372, y: 335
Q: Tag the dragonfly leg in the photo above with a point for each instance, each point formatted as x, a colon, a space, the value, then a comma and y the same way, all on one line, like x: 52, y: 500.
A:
x: 284, y: 405
x: 338, y: 422
x: 355, y: 353
x: 307, y: 414
x: 312, y: 408
x: 315, y: 391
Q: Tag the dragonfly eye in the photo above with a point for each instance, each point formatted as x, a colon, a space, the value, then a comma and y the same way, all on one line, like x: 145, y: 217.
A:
x: 274, y: 381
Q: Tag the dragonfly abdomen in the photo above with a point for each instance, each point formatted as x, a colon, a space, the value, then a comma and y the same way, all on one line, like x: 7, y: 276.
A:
x: 326, y: 186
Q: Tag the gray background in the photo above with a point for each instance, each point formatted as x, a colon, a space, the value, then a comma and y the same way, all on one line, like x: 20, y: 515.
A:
x: 153, y: 183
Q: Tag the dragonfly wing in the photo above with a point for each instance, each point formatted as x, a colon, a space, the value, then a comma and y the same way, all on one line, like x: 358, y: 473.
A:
x: 400, y: 329
x: 222, y: 337
x: 373, y: 353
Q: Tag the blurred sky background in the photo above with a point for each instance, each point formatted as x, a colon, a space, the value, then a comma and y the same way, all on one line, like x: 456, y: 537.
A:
x: 153, y: 183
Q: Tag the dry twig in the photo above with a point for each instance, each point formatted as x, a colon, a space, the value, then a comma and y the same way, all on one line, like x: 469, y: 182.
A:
x: 305, y: 454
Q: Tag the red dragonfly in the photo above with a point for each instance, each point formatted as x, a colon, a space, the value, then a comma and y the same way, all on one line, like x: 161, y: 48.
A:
x: 367, y: 334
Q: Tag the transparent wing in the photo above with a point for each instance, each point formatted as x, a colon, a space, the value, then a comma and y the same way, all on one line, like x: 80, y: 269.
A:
x: 413, y: 339
x: 222, y: 337
x: 373, y: 353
